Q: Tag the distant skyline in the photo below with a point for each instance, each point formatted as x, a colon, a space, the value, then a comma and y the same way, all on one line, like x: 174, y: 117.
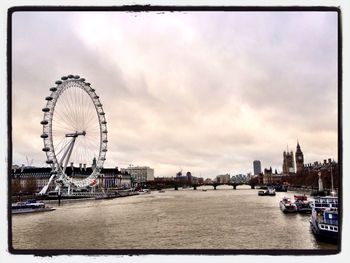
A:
x: 206, y: 92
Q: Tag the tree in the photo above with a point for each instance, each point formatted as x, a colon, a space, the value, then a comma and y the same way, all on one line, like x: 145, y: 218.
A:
x: 16, y: 187
x: 31, y: 185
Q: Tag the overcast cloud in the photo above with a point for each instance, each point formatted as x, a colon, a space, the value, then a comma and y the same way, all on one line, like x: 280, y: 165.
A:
x: 206, y: 92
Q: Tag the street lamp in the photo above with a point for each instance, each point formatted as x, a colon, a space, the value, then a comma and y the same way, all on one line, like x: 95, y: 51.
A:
x: 320, y: 184
x: 332, y: 190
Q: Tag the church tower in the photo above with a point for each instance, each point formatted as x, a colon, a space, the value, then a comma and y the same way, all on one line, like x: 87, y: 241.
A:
x: 299, y: 159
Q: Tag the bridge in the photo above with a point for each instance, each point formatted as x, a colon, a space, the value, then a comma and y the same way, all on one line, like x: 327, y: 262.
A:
x: 234, y: 182
x: 214, y: 185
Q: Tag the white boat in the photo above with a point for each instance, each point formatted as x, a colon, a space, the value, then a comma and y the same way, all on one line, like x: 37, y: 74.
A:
x: 287, y: 206
x: 30, y: 206
x: 269, y: 191
x: 324, y: 219
x: 144, y: 191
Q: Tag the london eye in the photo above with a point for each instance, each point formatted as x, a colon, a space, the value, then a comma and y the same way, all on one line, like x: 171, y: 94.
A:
x: 74, y: 131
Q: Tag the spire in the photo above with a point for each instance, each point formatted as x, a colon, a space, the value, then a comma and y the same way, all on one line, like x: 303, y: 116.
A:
x: 298, y: 147
x: 93, y: 163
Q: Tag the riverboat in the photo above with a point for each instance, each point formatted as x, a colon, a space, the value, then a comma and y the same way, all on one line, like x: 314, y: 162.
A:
x: 30, y: 206
x: 268, y: 192
x: 144, y: 191
x: 324, y: 218
x: 281, y: 188
x: 287, y: 206
x: 302, y: 204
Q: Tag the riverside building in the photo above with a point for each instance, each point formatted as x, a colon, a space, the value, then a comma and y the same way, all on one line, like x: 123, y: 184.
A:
x: 257, y: 167
x: 33, y: 179
x: 140, y: 174
x: 288, y: 163
x: 223, y: 178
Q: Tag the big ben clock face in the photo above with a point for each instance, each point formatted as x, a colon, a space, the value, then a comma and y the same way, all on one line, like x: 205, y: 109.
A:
x: 300, y: 157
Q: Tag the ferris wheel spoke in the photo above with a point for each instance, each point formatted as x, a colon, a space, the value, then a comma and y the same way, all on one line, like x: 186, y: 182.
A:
x: 59, y: 143
x: 65, y: 105
x: 62, y: 126
x: 65, y: 117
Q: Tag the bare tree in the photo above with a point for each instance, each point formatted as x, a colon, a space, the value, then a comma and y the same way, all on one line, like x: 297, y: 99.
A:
x: 31, y: 185
x: 16, y: 187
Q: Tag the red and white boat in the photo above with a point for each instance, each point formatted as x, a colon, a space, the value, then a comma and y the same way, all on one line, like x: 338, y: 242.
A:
x: 302, y: 204
x: 287, y: 206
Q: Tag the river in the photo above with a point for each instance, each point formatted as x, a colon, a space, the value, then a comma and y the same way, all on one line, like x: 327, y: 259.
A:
x: 184, y: 219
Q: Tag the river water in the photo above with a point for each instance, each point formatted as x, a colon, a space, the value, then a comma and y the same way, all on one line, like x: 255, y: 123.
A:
x: 184, y: 219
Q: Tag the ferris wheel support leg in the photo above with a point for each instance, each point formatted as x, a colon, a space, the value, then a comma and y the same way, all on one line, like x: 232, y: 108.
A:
x: 67, y: 154
x: 46, y: 187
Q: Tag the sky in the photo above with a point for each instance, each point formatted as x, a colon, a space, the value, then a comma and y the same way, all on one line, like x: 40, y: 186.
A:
x: 206, y: 92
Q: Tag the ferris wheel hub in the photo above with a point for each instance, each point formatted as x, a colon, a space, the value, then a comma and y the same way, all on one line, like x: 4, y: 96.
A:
x: 76, y: 134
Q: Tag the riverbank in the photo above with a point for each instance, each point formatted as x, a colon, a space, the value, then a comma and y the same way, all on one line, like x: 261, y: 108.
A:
x: 79, y: 198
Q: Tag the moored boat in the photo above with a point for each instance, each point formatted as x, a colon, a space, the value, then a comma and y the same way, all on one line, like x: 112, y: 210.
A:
x: 144, y: 191
x: 281, y: 188
x: 30, y: 206
x: 287, y: 206
x: 269, y: 192
x: 302, y: 204
x: 324, y: 219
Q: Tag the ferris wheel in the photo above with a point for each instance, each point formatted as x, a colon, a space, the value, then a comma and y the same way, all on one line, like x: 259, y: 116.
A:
x: 74, y: 132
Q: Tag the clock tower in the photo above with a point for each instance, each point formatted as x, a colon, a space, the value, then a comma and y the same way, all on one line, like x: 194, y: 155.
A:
x: 299, y: 159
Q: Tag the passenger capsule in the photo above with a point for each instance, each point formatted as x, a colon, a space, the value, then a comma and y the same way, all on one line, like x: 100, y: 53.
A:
x: 93, y: 90
x: 44, y: 122
x: 104, y: 122
x: 49, y: 161
x: 44, y: 135
x: 104, y: 150
x: 103, y: 159
x: 53, y: 89
x: 46, y: 149
x: 88, y: 84
x: 102, y: 113
x: 99, y: 105
x: 64, y: 78
x: 48, y: 98
x: 82, y: 79
x: 76, y: 77
x: 105, y: 141
x: 96, y: 97
x: 105, y: 131
x: 70, y: 76
x: 46, y: 109
x: 58, y: 82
